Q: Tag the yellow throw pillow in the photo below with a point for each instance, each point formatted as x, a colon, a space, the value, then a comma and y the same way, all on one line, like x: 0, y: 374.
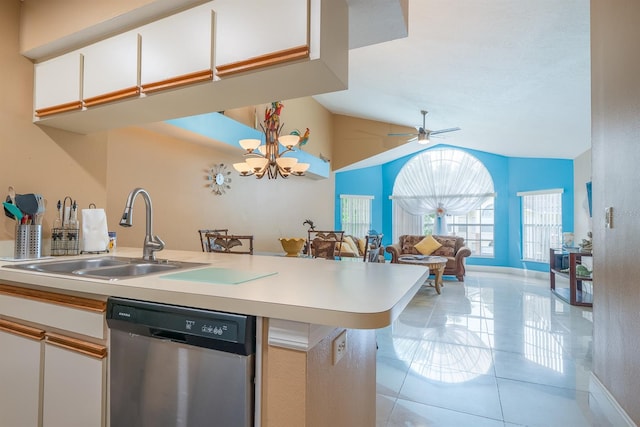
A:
x: 427, y: 245
x: 362, y: 244
x: 349, y: 247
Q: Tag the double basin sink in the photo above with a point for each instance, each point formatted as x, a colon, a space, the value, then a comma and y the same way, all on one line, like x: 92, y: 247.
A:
x: 107, y: 268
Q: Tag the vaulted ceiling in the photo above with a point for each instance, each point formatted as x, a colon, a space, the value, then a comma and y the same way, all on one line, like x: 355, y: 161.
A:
x: 513, y: 75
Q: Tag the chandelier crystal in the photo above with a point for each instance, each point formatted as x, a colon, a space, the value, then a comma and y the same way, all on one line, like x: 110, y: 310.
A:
x: 268, y: 159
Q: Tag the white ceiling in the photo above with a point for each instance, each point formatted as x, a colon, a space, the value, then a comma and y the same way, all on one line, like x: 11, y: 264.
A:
x: 513, y: 74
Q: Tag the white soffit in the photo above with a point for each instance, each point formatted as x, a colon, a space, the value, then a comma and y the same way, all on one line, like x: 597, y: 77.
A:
x: 377, y: 21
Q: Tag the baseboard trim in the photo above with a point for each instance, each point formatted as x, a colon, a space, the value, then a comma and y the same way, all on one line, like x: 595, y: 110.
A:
x: 604, y: 405
x: 543, y: 275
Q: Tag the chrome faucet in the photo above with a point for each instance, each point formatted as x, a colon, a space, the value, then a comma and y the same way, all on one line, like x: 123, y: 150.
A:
x: 152, y: 243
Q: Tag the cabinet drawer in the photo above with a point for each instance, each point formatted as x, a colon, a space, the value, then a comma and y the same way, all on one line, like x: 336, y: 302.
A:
x: 78, y: 315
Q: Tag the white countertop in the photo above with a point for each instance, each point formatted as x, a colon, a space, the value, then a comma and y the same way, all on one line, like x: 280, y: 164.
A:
x: 349, y: 293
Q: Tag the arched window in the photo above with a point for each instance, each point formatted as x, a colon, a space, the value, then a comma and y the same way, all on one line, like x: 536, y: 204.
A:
x: 447, y: 192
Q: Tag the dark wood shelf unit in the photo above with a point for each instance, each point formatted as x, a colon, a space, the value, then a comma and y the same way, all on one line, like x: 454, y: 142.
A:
x: 574, y: 294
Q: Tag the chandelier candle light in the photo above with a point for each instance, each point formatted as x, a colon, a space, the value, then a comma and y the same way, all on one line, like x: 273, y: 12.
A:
x: 268, y: 158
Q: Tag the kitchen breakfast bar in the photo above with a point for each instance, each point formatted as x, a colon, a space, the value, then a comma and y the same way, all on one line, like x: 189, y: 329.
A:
x: 315, y: 346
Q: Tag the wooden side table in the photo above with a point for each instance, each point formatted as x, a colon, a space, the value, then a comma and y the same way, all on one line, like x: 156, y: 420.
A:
x: 433, y: 263
x: 574, y: 294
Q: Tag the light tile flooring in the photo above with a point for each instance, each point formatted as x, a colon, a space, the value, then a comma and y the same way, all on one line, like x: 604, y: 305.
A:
x: 498, y: 350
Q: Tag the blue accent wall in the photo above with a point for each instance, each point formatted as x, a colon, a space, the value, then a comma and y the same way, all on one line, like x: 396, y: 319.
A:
x: 363, y: 182
x: 510, y: 175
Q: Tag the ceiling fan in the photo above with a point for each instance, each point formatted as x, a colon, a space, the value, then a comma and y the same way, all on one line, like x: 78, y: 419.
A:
x: 424, y: 134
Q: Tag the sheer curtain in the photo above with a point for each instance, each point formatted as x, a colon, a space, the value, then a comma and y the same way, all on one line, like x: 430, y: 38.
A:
x: 444, y: 182
x: 356, y: 214
x: 405, y: 223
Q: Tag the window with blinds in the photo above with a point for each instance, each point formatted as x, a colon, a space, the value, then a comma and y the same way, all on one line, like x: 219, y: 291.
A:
x: 356, y: 214
x: 541, y: 223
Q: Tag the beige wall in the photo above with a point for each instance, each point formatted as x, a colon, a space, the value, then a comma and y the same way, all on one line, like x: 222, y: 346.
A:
x: 616, y: 156
x: 50, y: 162
x: 306, y: 389
x: 358, y: 139
x: 174, y: 172
x: 103, y: 168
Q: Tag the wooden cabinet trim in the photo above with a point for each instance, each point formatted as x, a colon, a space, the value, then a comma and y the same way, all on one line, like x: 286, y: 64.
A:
x: 117, y: 95
x: 90, y: 349
x: 61, y: 108
x: 174, y: 82
x: 262, y: 61
x: 55, y: 298
x: 21, y: 330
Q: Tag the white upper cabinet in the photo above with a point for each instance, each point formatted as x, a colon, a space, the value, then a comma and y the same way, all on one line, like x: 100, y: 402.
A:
x: 293, y: 47
x: 178, y: 45
x: 244, y: 32
x: 111, y: 66
x: 57, y: 83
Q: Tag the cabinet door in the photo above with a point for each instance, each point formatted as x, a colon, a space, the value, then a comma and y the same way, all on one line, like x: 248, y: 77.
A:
x: 57, y: 84
x: 74, y: 383
x: 262, y: 34
x: 111, y: 69
x: 177, y: 49
x: 20, y: 370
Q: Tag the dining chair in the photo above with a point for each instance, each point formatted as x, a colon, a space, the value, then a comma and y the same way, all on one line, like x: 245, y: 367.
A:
x: 204, y: 243
x: 322, y: 248
x: 230, y: 243
x: 373, y: 250
x: 315, y: 237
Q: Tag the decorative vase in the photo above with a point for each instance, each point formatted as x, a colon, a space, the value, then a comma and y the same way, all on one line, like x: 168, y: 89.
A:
x: 293, y: 245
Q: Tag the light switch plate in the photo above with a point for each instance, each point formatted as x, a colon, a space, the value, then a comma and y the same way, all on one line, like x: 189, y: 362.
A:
x: 608, y: 217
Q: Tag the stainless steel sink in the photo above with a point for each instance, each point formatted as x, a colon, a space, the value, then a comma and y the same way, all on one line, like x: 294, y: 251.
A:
x: 108, y: 268
x: 127, y: 270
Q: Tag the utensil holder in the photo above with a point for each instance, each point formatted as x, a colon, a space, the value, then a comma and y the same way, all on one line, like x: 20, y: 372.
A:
x: 28, y: 241
x: 64, y: 241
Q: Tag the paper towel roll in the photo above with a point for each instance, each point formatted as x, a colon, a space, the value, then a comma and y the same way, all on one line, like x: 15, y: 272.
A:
x: 95, y: 232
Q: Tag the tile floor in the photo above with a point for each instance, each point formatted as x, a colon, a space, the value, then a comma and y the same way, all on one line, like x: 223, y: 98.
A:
x: 498, y: 350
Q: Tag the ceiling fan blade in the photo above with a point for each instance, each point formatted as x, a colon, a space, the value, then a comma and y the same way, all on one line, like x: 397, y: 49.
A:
x: 435, y: 132
x: 402, y: 134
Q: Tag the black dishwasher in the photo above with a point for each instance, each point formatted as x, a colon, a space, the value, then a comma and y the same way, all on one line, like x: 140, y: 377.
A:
x: 174, y: 366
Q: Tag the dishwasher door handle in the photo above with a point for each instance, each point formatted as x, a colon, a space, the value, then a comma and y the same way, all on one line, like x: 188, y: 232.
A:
x: 169, y: 336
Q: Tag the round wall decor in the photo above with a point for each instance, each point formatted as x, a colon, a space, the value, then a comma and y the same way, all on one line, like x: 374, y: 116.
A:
x: 219, y: 179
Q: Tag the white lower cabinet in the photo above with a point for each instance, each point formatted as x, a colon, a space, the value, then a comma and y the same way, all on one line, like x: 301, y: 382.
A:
x: 74, y: 388
x: 53, y: 359
x: 20, y: 372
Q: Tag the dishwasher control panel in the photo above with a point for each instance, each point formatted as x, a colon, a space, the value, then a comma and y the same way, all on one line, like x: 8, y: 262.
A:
x: 177, y: 323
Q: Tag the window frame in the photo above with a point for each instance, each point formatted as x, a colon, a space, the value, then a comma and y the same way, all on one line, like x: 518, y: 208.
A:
x: 554, y: 231
x: 428, y: 225
x: 356, y: 227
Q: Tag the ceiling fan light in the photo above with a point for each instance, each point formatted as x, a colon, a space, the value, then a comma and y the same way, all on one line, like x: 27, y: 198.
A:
x: 423, y: 138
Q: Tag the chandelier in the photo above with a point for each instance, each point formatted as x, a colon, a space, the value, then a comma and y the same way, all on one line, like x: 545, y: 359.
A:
x: 268, y: 158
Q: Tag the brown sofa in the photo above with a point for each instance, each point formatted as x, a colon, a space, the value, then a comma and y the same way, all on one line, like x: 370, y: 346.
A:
x: 453, y: 249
